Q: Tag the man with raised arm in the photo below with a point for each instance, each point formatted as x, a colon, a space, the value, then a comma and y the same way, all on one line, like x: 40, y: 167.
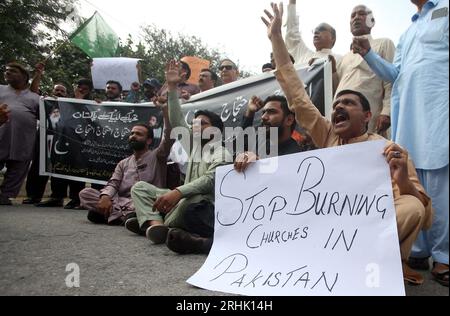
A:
x: 420, y: 117
x: 349, y: 125
x: 184, y: 218
x: 324, y: 39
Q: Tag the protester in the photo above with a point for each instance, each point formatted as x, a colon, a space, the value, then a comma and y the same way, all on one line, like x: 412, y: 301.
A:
x: 36, y: 183
x: 113, y: 91
x: 113, y: 205
x: 350, y: 117
x: 163, y: 214
x: 19, y: 111
x: 420, y: 117
x: 134, y: 95
x: 353, y: 72
x: 83, y: 91
x: 151, y: 89
x: 208, y: 80
x: 324, y: 39
x: 185, y: 90
x: 229, y: 72
x: 275, y: 115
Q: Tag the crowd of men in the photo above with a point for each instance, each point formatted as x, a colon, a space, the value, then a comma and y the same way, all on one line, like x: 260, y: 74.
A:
x: 381, y: 91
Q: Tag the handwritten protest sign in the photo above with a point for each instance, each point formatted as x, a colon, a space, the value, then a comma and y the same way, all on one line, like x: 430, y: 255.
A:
x: 196, y: 64
x: 322, y: 224
x: 123, y: 70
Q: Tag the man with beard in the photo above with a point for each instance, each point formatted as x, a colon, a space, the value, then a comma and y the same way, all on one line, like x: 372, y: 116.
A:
x: 275, y: 114
x: 177, y: 217
x: 113, y: 91
x: 18, y: 120
x: 349, y: 125
x: 113, y: 205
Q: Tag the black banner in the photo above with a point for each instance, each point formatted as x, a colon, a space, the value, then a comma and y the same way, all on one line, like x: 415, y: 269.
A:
x: 84, y: 140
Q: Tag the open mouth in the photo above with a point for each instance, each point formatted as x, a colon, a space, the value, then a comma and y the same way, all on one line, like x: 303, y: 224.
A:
x: 340, y: 119
x: 316, y: 38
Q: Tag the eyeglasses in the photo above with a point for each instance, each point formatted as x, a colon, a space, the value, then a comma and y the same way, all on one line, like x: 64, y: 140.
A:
x: 321, y: 29
x: 227, y: 67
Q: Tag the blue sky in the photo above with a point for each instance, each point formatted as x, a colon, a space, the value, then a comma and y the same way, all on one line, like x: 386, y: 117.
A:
x: 234, y: 26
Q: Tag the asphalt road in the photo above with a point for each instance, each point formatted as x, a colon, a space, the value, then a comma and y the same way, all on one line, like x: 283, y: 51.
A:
x: 36, y: 246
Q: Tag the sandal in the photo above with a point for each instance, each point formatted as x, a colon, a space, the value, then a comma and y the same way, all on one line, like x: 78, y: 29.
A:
x: 411, y: 276
x: 440, y: 273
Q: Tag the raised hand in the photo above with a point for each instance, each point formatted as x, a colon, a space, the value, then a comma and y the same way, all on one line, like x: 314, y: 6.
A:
x: 274, y: 21
x: 173, y: 73
x: 254, y: 105
x: 39, y: 68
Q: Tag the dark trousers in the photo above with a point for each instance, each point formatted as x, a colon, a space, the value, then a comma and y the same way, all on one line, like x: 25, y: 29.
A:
x: 36, y: 184
x: 199, y: 219
x: 59, y: 188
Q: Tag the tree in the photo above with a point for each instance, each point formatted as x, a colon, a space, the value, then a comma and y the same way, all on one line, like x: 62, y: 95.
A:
x: 161, y: 46
x: 27, y: 25
x: 30, y: 31
x: 67, y: 66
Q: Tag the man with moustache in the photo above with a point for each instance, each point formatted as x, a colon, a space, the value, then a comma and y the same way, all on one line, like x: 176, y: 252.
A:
x: 176, y: 217
x: 275, y: 114
x: 208, y: 80
x: 420, y: 117
x: 113, y: 91
x: 349, y: 125
x: 113, y: 205
x: 19, y: 111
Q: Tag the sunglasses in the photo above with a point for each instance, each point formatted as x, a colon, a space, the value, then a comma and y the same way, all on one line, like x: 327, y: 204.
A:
x: 227, y: 67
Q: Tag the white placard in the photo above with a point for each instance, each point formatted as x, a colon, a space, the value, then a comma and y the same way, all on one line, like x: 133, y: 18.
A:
x: 122, y: 70
x: 319, y: 223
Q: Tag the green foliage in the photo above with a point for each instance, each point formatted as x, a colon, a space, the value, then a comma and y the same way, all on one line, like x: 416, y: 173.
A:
x: 29, y: 32
x: 67, y: 66
x: 26, y: 24
x: 161, y: 46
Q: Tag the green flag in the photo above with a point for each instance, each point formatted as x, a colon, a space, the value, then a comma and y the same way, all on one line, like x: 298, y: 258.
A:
x: 96, y: 38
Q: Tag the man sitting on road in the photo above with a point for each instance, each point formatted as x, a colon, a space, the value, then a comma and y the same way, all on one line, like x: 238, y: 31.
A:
x: 183, y: 218
x: 113, y: 205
